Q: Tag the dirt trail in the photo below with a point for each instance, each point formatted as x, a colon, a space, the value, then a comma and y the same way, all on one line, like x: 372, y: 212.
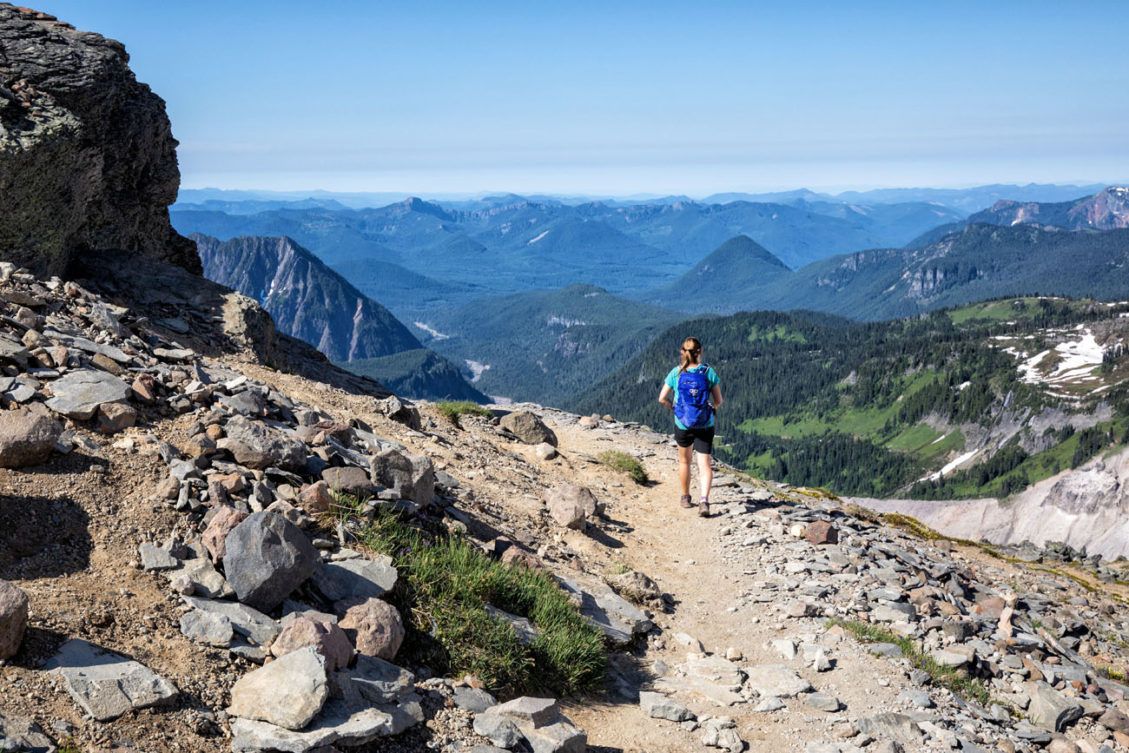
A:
x: 683, y: 554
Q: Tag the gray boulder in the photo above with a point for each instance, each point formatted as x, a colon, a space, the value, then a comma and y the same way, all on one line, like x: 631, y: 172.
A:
x: 658, y: 706
x: 618, y: 619
x: 207, y: 627
x: 266, y: 558
x: 1050, y: 709
x: 355, y: 579
x: 79, y: 393
x: 410, y: 476
x: 248, y: 622
x: 106, y: 685
x: 27, y: 436
x: 256, y: 445
x: 528, y: 427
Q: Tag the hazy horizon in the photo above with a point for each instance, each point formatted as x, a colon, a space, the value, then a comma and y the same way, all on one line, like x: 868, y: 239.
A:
x: 630, y: 98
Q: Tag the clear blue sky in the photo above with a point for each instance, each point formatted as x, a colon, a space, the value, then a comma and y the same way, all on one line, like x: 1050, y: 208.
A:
x: 630, y: 97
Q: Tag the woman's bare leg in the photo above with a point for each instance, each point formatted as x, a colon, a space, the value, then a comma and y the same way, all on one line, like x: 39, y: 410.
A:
x: 705, y: 474
x: 684, y: 454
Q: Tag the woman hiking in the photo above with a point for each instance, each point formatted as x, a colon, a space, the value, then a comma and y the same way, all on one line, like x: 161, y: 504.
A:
x: 693, y: 385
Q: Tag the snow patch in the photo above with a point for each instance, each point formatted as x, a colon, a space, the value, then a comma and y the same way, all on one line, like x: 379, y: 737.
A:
x: 541, y: 235
x: 435, y: 334
x: 562, y: 321
x: 477, y: 369
x: 951, y: 466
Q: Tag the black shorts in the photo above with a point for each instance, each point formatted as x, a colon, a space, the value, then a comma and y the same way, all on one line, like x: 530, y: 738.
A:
x: 701, y: 439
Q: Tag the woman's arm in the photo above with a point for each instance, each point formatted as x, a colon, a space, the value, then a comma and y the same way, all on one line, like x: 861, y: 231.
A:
x: 715, y: 393
x: 664, y: 397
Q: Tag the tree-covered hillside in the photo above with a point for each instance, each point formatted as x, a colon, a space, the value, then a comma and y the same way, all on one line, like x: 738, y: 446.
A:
x: 872, y: 408
x: 545, y: 345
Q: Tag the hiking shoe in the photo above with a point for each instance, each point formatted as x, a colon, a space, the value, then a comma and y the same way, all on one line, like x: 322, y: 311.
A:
x: 686, y: 501
x: 704, y: 508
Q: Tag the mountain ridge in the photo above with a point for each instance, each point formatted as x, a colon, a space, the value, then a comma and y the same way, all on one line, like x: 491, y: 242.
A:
x: 310, y: 301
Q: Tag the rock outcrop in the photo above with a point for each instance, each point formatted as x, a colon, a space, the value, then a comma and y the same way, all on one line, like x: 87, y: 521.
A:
x: 87, y: 156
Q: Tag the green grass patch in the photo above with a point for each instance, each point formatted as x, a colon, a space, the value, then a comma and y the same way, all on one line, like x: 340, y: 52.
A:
x: 624, y: 463
x: 69, y: 746
x: 954, y: 440
x: 778, y: 333
x: 444, y: 587
x: 955, y: 680
x: 452, y: 409
x: 913, y: 438
x: 1011, y: 309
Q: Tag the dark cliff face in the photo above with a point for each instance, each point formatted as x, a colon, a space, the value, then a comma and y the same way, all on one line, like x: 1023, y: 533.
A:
x: 307, y: 299
x: 87, y: 157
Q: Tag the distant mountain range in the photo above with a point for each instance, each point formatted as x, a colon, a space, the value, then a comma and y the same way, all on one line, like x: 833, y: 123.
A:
x: 508, y: 244
x: 308, y: 300
x: 503, y: 285
x: 1015, y: 255
x: 966, y: 200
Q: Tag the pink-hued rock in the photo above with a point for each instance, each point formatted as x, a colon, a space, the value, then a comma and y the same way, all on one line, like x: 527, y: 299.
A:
x: 375, y: 627
x: 821, y: 532
x: 27, y: 436
x: 315, y: 497
x: 329, y: 640
x: 221, y: 524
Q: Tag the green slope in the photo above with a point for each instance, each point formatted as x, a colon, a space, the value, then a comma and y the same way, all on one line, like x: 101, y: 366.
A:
x: 870, y: 408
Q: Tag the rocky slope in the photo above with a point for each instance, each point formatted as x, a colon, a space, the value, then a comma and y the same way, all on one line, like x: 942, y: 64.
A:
x: 87, y: 157
x: 1084, y: 509
x: 198, y: 485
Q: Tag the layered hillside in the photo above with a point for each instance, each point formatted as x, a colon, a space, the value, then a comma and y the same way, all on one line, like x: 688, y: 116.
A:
x: 309, y: 301
x: 1106, y: 210
x: 87, y: 157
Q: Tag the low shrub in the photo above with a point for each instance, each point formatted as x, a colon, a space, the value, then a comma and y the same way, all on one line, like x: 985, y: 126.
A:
x: 444, y: 587
x: 624, y: 463
x: 452, y: 409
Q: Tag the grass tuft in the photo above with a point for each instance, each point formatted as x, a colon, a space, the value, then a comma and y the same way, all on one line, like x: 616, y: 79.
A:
x: 966, y: 687
x: 445, y: 584
x: 452, y: 409
x: 624, y: 463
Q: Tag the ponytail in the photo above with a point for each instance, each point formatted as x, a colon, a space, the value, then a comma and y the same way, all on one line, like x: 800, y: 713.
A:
x: 691, y: 353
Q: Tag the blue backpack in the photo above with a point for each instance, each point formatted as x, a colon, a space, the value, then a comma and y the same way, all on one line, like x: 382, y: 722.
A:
x: 692, y: 408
